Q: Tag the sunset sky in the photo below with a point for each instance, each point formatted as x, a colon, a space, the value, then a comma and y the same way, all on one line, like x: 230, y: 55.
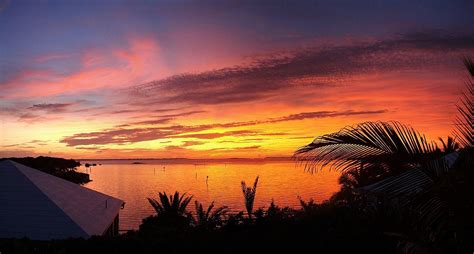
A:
x: 219, y: 79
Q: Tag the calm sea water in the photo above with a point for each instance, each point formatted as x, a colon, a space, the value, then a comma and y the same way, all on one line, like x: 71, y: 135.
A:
x: 281, y: 181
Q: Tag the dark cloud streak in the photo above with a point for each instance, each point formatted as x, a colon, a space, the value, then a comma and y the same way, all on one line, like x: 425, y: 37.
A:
x: 51, y: 107
x: 318, y: 66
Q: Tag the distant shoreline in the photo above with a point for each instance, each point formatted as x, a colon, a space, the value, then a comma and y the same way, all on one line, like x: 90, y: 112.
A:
x: 197, y: 161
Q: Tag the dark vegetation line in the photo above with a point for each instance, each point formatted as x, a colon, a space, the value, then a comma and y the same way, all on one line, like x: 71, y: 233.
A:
x: 400, y: 193
x: 62, y: 168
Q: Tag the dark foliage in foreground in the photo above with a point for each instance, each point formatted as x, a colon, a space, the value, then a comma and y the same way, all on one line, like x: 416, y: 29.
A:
x: 431, y: 189
x: 59, y: 167
x: 318, y: 227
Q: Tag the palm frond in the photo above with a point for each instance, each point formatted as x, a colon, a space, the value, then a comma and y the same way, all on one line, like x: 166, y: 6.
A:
x: 156, y: 205
x: 249, y: 196
x: 165, y: 201
x: 209, y: 218
x: 369, y: 142
x: 469, y: 63
x: 173, y: 204
x: 464, y: 122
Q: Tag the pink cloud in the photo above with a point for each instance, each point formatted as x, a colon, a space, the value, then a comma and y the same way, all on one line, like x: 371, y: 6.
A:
x: 138, y: 62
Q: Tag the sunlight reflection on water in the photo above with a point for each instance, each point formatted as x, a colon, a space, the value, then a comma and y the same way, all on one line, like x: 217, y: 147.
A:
x: 280, y: 181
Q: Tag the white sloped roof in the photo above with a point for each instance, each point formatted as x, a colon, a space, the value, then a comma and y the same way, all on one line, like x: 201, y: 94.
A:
x: 40, y: 206
x: 408, y: 183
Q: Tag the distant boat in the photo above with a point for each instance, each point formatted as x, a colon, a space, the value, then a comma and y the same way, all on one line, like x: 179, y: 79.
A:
x: 137, y: 162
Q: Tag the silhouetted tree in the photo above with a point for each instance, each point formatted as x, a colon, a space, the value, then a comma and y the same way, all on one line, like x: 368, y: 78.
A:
x: 249, y: 196
x: 450, y: 145
x: 174, y: 205
x: 171, y: 212
x: 210, y: 218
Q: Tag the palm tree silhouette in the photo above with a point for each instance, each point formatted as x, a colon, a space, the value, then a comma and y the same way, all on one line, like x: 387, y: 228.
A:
x: 436, y: 188
x: 450, y: 145
x: 249, y: 196
x: 172, y: 206
x: 209, y: 218
x: 171, y: 215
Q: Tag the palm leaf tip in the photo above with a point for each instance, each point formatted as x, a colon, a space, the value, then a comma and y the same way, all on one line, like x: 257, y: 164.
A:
x: 469, y: 64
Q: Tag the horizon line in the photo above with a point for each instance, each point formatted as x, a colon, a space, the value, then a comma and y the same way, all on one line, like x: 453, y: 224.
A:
x: 184, y: 158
